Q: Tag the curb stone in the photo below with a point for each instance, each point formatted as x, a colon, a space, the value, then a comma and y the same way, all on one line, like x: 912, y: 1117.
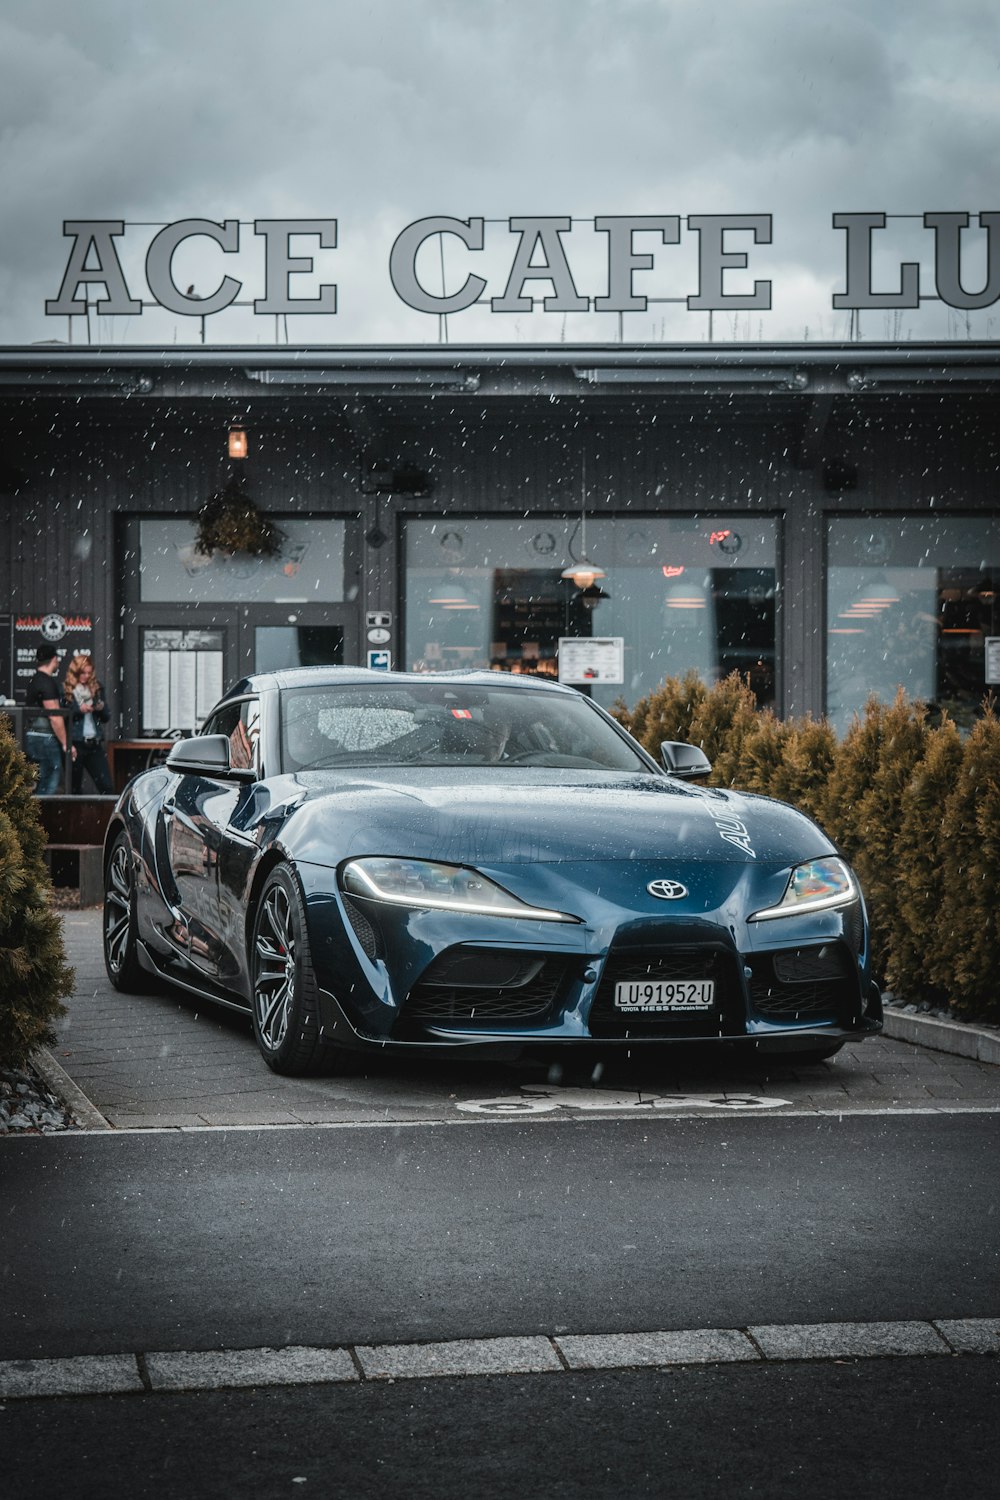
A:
x: 955, y: 1037
x: 86, y: 1114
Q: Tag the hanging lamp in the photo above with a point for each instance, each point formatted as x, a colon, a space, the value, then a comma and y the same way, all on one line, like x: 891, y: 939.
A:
x: 582, y: 572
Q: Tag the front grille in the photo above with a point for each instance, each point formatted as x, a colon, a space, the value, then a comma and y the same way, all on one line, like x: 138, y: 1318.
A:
x: 806, y: 965
x: 694, y: 962
x: 816, y: 983
x: 797, y: 1002
x: 478, y: 1005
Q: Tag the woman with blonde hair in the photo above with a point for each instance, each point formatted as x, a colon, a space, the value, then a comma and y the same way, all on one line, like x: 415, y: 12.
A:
x: 85, y: 696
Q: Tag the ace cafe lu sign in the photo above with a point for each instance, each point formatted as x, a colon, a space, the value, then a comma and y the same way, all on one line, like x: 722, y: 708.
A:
x: 538, y: 254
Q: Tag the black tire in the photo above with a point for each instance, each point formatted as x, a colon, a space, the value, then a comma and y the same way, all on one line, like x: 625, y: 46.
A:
x: 285, y: 997
x: 120, y: 924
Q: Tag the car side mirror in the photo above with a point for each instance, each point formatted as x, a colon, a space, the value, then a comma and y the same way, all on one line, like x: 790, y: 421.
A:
x: 686, y: 762
x: 207, y: 755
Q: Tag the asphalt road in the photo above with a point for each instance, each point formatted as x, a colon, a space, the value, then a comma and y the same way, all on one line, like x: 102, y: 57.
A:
x: 362, y: 1234
x: 881, y: 1430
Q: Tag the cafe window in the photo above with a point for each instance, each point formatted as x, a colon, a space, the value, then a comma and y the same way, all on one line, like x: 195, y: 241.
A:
x: 911, y: 601
x: 682, y: 593
x: 308, y: 568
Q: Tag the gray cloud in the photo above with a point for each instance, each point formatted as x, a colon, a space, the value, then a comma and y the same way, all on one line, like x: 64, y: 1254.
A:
x: 380, y: 113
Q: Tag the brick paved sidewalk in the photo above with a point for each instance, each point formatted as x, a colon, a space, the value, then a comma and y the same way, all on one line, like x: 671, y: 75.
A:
x: 167, y: 1060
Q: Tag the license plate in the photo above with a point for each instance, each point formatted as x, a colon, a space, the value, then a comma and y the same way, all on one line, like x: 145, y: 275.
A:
x: 666, y: 994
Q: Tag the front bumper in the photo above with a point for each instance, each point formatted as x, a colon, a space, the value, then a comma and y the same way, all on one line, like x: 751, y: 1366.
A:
x: 394, y: 976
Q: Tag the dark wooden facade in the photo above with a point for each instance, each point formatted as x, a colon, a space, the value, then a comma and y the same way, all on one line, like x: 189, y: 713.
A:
x: 90, y: 437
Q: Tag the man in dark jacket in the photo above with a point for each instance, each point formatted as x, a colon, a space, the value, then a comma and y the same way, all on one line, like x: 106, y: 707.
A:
x: 45, y: 739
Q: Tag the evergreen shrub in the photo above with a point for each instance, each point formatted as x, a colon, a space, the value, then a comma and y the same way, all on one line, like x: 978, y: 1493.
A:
x: 965, y: 960
x: 861, y: 808
x: 34, y: 977
x: 918, y: 933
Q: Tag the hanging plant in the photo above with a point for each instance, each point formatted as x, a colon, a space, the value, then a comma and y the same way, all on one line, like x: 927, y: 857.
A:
x: 230, y: 522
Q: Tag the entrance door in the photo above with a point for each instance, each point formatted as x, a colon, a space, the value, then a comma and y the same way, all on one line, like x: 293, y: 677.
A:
x: 184, y: 658
x: 273, y: 637
x: 193, y: 625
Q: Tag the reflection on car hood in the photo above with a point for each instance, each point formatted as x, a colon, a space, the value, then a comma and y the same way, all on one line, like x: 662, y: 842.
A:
x: 499, y: 816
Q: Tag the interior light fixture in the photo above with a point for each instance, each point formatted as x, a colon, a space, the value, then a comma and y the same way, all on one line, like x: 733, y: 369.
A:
x: 687, y: 595
x: 450, y: 595
x: 591, y: 596
x: 238, y: 446
x: 581, y: 571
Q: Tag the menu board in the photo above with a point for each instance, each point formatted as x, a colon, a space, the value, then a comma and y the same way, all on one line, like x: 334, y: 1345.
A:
x: 586, y: 659
x: 181, y: 679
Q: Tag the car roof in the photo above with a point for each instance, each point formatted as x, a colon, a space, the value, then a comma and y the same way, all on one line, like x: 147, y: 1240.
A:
x: 304, y: 677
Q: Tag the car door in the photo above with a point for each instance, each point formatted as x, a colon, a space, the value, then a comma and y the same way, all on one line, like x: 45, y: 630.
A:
x: 198, y: 835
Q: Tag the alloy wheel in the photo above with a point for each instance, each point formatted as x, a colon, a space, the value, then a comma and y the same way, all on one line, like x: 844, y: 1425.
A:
x: 274, y: 969
x: 118, y: 908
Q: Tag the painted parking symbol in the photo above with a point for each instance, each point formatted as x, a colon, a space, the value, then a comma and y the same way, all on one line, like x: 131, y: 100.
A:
x: 535, y: 1101
x: 512, y: 1106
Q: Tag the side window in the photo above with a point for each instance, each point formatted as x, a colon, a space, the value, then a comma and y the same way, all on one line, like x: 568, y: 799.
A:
x: 240, y: 723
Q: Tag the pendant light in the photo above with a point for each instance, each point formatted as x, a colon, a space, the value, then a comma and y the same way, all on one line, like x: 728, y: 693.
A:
x: 582, y: 572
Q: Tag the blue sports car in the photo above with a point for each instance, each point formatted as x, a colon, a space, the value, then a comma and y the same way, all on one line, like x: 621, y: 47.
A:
x: 367, y: 859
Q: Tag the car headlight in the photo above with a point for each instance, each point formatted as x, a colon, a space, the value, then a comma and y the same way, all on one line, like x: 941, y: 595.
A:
x: 813, y: 886
x: 426, y: 883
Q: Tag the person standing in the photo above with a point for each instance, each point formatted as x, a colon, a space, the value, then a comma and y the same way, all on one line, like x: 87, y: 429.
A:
x: 45, y: 740
x: 89, y: 713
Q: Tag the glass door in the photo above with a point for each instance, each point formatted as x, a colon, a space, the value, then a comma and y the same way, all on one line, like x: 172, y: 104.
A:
x: 275, y: 638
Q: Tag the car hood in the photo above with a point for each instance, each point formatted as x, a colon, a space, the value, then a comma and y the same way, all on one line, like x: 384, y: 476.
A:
x: 498, y: 817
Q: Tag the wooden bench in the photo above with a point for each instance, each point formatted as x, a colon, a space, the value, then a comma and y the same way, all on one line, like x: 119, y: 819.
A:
x: 74, y: 833
x: 79, y: 865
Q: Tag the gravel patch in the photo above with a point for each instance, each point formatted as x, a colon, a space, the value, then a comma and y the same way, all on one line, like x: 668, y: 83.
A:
x: 28, y: 1107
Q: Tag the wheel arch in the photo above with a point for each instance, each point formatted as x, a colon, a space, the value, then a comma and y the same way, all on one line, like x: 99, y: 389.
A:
x: 269, y: 860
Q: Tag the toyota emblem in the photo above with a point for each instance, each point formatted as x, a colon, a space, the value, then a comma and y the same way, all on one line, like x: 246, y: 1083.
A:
x: 667, y: 890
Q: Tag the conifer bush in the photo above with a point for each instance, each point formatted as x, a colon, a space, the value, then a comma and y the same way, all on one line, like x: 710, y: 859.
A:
x: 917, y: 932
x: 34, y: 977
x: 665, y: 713
x: 791, y: 759
x: 965, y: 960
x: 861, y: 809
x: 721, y: 723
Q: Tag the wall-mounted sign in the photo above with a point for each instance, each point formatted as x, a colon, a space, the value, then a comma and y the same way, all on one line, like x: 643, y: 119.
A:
x: 67, y: 632
x: 380, y: 661
x: 586, y: 659
x: 542, y: 263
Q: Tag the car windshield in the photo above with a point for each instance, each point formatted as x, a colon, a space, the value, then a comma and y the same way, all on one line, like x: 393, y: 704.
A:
x: 435, y: 724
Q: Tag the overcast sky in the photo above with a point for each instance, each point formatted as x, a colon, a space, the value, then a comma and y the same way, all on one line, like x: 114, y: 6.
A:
x: 377, y: 113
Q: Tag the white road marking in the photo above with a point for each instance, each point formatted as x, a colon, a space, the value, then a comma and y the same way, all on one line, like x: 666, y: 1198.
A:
x: 209, y: 1370
x: 536, y: 1099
